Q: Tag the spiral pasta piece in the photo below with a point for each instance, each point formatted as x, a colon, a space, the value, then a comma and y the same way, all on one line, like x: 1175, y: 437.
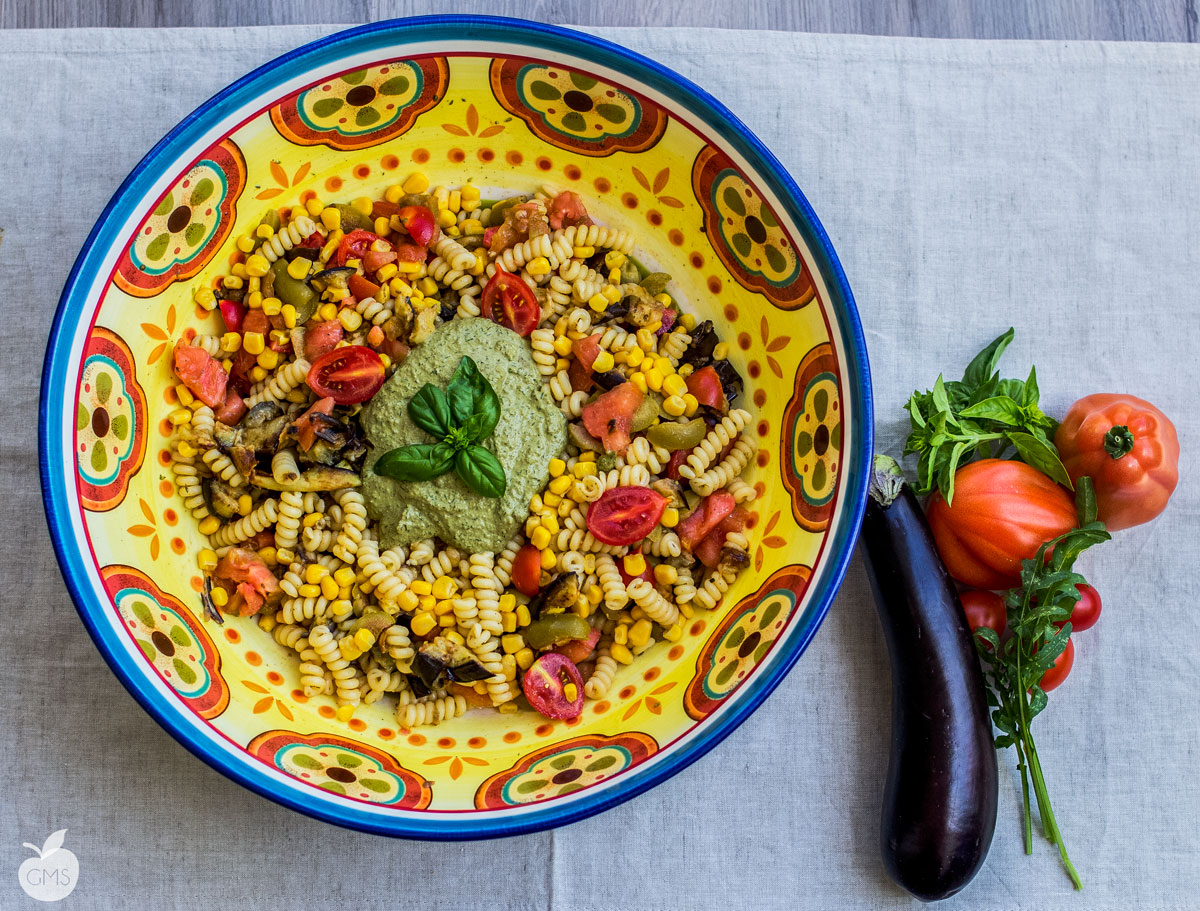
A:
x: 284, y: 467
x: 284, y: 239
x: 433, y: 710
x: 616, y: 339
x: 666, y: 545
x: 653, y: 604
x: 345, y: 677
x: 450, y: 250
x: 209, y: 344
x: 728, y: 469
x: 581, y: 540
x: 291, y: 636
x: 504, y: 561
x: 422, y: 552
x: 487, y: 587
x: 304, y: 610
x: 203, y: 425
x: 741, y: 491
x: 709, y: 594
x: 247, y: 527
x: 601, y: 680
x: 398, y: 644
x: 710, y: 447
x: 287, y: 525
x: 616, y: 595
x: 444, y: 563
x: 388, y: 584
x: 544, y: 355
x: 222, y: 466
x: 674, y: 344
x: 315, y: 679
x: 372, y: 311
x: 317, y: 540
x: 445, y: 274
x: 596, y: 236
x: 353, y: 525
x: 187, y: 481
x: 285, y: 379
x: 684, y: 587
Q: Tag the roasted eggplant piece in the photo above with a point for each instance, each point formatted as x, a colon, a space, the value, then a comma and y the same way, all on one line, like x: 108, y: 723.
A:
x: 699, y: 352
x: 561, y: 594
x: 441, y: 656
x: 643, y: 310
x: 669, y: 489
x: 731, y: 380
x: 337, y: 277
x: 418, y: 686
x: 610, y: 380
x: 222, y: 499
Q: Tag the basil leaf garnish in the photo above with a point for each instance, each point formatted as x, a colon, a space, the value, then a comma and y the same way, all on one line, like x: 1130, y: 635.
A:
x: 481, y: 471
x: 419, y: 462
x: 430, y: 410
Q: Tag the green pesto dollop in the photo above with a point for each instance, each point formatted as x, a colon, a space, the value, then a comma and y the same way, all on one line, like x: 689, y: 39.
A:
x: 531, y: 431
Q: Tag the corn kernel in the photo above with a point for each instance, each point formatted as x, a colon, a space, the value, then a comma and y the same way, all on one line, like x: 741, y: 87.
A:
x: 611, y: 293
x: 583, y: 252
x: 288, y: 312
x: 621, y: 654
x: 328, y: 312
x: 345, y: 713
x: 254, y: 343
x: 268, y: 360
x: 538, y: 266
x: 349, y: 319
x: 604, y: 362
x: 329, y: 588
x: 444, y: 587
x: 654, y: 378
x: 257, y: 265
x: 550, y: 523
x: 525, y: 658
x: 386, y: 359
x: 634, y: 357
x: 206, y: 560
x: 614, y: 259
x: 231, y: 342
x: 508, y: 708
x: 393, y: 193
x: 381, y: 226
x: 674, y: 406
x: 422, y: 623
x: 508, y: 623
x: 180, y: 416
x: 635, y: 564
x: 688, y: 320
x: 363, y: 204
x: 309, y: 590
x: 675, y: 385
x: 639, y: 379
x: 549, y: 561
x: 540, y: 538
x: 512, y: 643
x: 690, y: 405
x: 428, y: 286
x: 408, y: 601
x: 443, y: 607
x: 232, y: 282
x: 454, y: 201
x: 670, y: 517
x: 721, y: 351
x: 614, y: 276
x: 427, y: 602
x: 205, y: 298
x: 314, y: 573
x: 219, y: 596
x: 309, y: 520
x: 560, y: 485
x: 445, y: 218
x: 246, y: 243
x: 524, y: 618
x: 447, y: 621
x: 299, y: 268
x: 621, y: 634
x: 254, y: 299
x: 551, y: 500
x: 421, y: 587
x: 269, y: 554
x: 416, y: 182
x: 473, y: 227
x: 637, y: 613
x: 455, y: 636
x: 639, y: 633
x: 208, y: 524
x: 470, y: 194
x: 331, y: 218
x: 687, y: 610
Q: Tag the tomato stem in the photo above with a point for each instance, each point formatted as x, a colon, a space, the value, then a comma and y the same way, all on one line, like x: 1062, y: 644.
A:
x: 1118, y: 441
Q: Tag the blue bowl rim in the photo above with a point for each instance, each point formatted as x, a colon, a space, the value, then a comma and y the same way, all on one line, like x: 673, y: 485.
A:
x: 717, y: 117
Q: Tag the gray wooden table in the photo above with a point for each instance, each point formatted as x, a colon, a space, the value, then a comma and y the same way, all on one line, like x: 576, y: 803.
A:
x: 1114, y: 20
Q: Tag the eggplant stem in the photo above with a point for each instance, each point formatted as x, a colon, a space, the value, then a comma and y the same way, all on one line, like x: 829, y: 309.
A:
x: 887, y: 480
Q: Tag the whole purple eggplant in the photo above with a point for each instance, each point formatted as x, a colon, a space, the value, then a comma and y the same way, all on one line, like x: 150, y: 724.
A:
x: 939, y: 804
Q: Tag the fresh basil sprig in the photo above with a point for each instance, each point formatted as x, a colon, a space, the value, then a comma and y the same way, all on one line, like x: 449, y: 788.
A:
x: 980, y: 416
x: 1039, y: 615
x: 460, y: 418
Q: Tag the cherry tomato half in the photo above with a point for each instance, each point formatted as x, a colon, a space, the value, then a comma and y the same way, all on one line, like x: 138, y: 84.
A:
x: 347, y: 375
x: 507, y: 300
x: 545, y: 686
x: 984, y: 608
x: 625, y: 515
x: 527, y: 570
x: 705, y: 385
x: 1058, y: 671
x: 1087, y: 609
x: 354, y: 246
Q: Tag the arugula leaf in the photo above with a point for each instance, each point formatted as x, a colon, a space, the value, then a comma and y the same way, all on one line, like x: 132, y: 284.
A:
x: 418, y: 462
x: 430, y: 410
x: 481, y: 471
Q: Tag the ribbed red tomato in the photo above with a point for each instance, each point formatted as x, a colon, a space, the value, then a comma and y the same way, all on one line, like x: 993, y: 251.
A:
x: 1002, y: 513
x: 1130, y: 451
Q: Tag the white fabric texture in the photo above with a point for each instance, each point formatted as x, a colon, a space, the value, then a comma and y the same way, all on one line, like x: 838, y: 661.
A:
x: 967, y: 186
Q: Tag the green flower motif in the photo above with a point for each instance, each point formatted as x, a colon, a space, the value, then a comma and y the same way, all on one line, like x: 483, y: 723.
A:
x: 750, y: 229
x: 747, y: 642
x: 342, y: 771
x: 104, y: 421
x: 166, y: 640
x: 182, y: 224
x: 818, y: 440
x: 566, y: 771
x: 578, y: 105
x: 363, y: 101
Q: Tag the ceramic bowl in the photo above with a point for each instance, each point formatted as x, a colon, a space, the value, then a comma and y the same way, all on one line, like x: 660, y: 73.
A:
x: 510, y: 105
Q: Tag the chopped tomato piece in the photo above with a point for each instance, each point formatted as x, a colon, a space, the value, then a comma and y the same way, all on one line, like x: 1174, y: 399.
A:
x: 245, y: 602
x: 347, y: 375
x: 393, y: 348
x: 384, y: 209
x: 708, y: 551
x: 678, y: 457
x: 256, y: 321
x: 232, y: 410
x: 321, y: 338
x: 201, y: 373
x: 306, y: 427
x: 581, y: 377
x: 587, y: 349
x: 566, y: 209
x: 545, y: 686
x: 579, y: 650
x: 507, y: 300
x: 374, y: 260
x: 705, y: 385
x: 411, y: 253
x: 712, y: 511
x: 527, y: 571
x: 245, y: 566
x: 610, y: 417
x: 354, y: 246
x: 239, y: 373
x: 625, y: 515
x: 420, y: 224
x: 232, y: 313
x: 473, y: 696
x: 523, y: 221
x: 362, y: 288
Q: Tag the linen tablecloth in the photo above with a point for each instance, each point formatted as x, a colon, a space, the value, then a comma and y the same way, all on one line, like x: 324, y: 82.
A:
x: 967, y: 186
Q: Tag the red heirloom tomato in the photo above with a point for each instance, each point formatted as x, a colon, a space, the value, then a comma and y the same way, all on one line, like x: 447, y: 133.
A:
x: 1057, y: 672
x: 1130, y: 451
x: 527, y: 570
x: 1002, y: 513
x: 347, y: 375
x: 625, y: 515
x: 507, y: 300
x: 984, y: 609
x: 545, y: 686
